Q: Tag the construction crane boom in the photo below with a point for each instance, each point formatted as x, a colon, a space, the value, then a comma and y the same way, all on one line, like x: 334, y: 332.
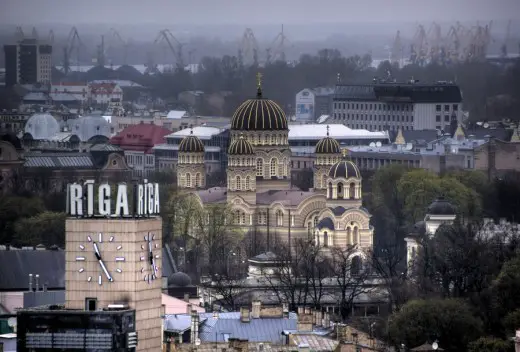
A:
x: 167, y: 36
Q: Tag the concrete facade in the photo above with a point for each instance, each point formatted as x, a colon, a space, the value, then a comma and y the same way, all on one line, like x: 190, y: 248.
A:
x: 121, y: 238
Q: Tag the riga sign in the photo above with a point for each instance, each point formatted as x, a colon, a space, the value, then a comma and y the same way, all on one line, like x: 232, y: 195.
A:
x: 142, y: 202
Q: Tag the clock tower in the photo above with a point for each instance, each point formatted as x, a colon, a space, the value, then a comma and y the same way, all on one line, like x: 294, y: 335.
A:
x: 117, y: 260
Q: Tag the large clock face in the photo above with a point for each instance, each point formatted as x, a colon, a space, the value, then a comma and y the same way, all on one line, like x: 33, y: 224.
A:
x: 94, y: 248
x: 149, y: 258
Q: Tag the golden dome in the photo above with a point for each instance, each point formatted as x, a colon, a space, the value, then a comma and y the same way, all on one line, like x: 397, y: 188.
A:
x: 191, y: 144
x: 344, y: 169
x: 241, y: 147
x: 327, y: 145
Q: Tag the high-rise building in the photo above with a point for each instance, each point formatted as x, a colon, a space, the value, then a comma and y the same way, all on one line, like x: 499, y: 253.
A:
x: 28, y: 61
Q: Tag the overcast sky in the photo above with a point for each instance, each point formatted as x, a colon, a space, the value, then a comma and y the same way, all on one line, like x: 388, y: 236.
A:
x: 250, y: 11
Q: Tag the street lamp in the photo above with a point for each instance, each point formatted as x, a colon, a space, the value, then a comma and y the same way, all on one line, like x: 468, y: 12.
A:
x: 227, y: 261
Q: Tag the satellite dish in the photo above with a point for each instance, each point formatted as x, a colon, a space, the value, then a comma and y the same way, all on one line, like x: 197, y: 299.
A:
x: 486, y: 125
x: 12, y: 322
x: 372, y: 144
x: 435, y: 345
x: 379, y: 144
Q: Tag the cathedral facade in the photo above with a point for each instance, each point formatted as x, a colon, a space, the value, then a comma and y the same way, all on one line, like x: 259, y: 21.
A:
x: 259, y: 189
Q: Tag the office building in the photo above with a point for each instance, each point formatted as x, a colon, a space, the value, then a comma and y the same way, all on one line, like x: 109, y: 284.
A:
x: 313, y: 103
x: 28, y: 61
x: 390, y: 106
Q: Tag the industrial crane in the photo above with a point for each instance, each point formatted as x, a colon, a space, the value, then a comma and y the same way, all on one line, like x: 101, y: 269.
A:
x: 503, y: 48
x: 248, y: 51
x: 419, y: 47
x: 126, y: 44
x: 176, y: 49
x: 73, y: 42
x: 277, y: 49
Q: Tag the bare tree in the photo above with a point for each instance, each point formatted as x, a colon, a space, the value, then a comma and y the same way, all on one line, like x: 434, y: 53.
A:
x: 351, y: 277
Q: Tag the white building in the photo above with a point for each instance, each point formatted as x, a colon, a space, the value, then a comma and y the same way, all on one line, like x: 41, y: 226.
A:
x: 78, y: 91
x: 312, y: 103
x: 388, y: 106
x: 105, y: 94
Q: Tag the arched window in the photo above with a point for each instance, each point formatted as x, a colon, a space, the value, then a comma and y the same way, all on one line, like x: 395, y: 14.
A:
x: 356, y: 235
x: 349, y: 235
x: 355, y: 266
x: 188, y: 180
x: 272, y: 139
x: 330, y: 190
x: 266, y: 139
x: 324, y: 181
x: 243, y: 218
x: 197, y: 180
x: 274, y: 167
x: 309, y: 229
x: 279, y: 218
x: 236, y: 217
x: 340, y: 190
x: 238, y: 186
x: 259, y: 167
x: 352, y: 191
x: 315, y: 221
x: 248, y: 183
x: 325, y: 239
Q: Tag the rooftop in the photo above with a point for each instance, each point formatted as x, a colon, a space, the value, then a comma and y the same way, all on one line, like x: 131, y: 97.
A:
x: 175, y: 114
x: 338, y: 131
x: 203, y: 132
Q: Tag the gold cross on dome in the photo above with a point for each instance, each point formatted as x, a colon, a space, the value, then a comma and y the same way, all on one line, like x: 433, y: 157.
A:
x: 344, y: 151
x: 259, y: 80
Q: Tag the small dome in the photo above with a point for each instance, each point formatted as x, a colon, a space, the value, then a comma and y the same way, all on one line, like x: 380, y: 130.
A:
x: 441, y: 206
x: 191, y: 144
x: 179, y: 279
x: 345, y: 169
x: 87, y: 127
x: 42, y: 126
x: 328, y: 145
x: 241, y: 147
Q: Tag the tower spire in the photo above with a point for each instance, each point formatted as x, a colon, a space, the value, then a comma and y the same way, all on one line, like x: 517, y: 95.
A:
x: 259, y: 85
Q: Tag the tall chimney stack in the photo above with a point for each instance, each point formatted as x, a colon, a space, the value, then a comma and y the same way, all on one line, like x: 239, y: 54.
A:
x: 30, y: 282
x: 194, y: 326
x: 255, y: 311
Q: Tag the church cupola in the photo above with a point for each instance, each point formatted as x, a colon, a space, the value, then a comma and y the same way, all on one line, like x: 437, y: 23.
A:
x: 191, y: 172
x: 344, y: 183
x: 328, y: 153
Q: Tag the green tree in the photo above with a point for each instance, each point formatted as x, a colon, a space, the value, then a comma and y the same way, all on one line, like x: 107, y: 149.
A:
x: 450, y: 321
x: 418, y: 188
x: 506, y: 288
x: 491, y: 344
x: 511, y: 322
x: 14, y: 208
x: 47, y: 228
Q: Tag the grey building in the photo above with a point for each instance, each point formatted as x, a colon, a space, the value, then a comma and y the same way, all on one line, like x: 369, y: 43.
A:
x: 311, y: 103
x: 390, y: 106
x: 28, y: 61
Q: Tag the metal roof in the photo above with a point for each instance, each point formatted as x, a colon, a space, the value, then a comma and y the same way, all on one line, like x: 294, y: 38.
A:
x: 337, y: 131
x: 16, y: 265
x: 59, y: 160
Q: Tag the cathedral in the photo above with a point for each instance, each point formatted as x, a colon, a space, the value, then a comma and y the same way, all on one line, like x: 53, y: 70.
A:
x: 259, y: 189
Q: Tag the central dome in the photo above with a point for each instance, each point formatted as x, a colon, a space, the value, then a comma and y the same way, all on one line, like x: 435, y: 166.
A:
x: 259, y: 114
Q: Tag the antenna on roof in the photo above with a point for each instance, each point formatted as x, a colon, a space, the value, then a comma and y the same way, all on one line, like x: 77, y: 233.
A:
x: 328, y: 127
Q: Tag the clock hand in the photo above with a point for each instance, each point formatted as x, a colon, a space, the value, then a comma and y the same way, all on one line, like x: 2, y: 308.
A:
x: 100, y: 261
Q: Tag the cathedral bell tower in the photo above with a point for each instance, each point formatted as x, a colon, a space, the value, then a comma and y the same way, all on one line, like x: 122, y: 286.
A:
x: 241, y: 171
x: 328, y: 153
x: 191, y: 172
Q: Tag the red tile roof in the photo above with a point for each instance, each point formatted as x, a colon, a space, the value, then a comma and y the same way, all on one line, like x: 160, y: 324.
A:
x: 141, y: 137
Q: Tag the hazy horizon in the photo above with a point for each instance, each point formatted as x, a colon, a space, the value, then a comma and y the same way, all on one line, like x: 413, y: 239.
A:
x: 249, y: 12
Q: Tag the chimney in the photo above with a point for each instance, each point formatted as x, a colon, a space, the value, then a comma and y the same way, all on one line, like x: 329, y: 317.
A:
x: 318, y: 317
x: 37, y: 288
x: 255, y: 312
x: 304, y: 319
x: 285, y: 310
x: 194, y: 327
x: 188, y: 308
x: 244, y: 315
x: 187, y: 297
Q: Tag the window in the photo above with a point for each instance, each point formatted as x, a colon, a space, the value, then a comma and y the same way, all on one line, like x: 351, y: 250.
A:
x: 238, y: 185
x: 438, y: 118
x: 188, y: 180
x: 197, y: 180
x: 349, y: 235
x: 248, y: 182
x: 259, y: 167
x: 438, y: 107
x: 284, y: 167
x: 355, y: 267
x: 455, y: 107
x: 274, y: 167
x: 352, y: 191
x: 356, y: 235
x: 90, y: 304
x: 446, y: 107
x: 340, y: 190
x: 447, y: 118
x: 279, y: 218
x: 325, y: 239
